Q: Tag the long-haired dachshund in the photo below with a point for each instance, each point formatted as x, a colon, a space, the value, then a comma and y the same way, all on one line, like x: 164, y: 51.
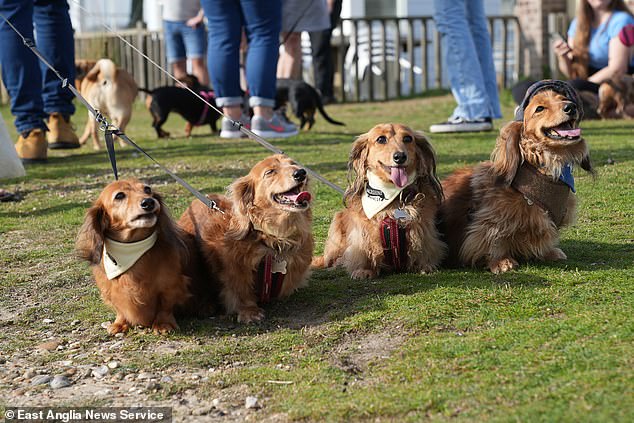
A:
x: 511, y: 208
x: 616, y: 98
x: 261, y: 246
x: 138, y: 256
x: 391, y: 204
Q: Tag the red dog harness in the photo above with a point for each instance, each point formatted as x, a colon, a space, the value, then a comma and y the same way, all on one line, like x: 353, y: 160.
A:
x: 394, y: 241
x: 268, y: 284
x: 208, y: 96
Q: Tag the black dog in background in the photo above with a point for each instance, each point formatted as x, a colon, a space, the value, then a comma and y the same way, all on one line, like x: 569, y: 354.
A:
x: 304, y: 100
x: 163, y: 100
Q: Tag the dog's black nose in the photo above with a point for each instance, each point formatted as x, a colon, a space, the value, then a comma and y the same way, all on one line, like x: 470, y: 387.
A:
x: 148, y: 204
x: 299, y: 175
x: 570, y: 109
x: 400, y: 157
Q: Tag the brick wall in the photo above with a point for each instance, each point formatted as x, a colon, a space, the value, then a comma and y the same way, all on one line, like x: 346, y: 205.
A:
x: 533, y: 17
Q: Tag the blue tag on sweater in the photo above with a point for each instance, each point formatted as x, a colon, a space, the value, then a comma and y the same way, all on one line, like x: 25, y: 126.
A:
x: 567, y: 178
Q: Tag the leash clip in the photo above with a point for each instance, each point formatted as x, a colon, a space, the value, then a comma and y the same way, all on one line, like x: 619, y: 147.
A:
x: 101, y: 120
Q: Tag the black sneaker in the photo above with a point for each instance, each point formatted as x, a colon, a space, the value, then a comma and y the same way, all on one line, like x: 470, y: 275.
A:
x: 462, y: 125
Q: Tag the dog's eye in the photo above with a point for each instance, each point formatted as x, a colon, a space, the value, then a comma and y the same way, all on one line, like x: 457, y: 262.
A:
x: 119, y: 196
x: 269, y: 172
x: 382, y: 139
x: 147, y: 190
x: 539, y: 109
x: 407, y: 139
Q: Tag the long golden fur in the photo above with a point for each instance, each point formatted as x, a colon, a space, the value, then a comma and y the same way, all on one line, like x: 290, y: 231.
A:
x: 147, y: 293
x: 112, y: 91
x: 257, y: 221
x: 486, y: 221
x: 616, y: 98
x: 354, y: 240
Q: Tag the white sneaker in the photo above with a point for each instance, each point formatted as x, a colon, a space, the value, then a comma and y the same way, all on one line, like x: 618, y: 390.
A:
x: 462, y: 125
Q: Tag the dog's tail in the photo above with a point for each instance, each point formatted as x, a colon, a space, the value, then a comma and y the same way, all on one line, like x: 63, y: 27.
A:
x: 318, y: 262
x: 104, y: 68
x: 320, y: 106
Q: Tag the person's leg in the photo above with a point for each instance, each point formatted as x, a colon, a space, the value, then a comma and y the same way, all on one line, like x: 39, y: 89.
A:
x: 480, y: 34
x: 290, y: 65
x: 175, y: 48
x: 195, y: 48
x: 461, y: 62
x: 323, y: 66
x: 20, y: 67
x: 262, y: 23
x: 55, y: 40
x: 20, y: 70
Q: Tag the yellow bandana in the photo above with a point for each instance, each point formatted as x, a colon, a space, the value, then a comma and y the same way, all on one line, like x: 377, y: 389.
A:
x: 379, y: 194
x: 120, y: 256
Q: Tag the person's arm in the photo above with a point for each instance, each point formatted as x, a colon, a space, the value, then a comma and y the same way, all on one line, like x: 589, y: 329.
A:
x: 564, y: 56
x: 196, y: 20
x: 618, y: 57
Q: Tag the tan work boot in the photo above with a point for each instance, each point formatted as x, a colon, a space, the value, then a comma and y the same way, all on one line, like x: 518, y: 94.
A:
x: 60, y: 133
x: 32, y: 148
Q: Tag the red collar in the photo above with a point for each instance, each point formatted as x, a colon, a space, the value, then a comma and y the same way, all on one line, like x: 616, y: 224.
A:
x: 394, y: 241
x: 268, y: 284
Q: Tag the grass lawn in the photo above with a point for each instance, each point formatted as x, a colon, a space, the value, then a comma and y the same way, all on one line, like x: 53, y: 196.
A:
x: 548, y: 342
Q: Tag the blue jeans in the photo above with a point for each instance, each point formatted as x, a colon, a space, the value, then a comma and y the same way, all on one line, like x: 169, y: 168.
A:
x: 262, y: 21
x: 183, y: 42
x: 468, y: 58
x: 35, y: 90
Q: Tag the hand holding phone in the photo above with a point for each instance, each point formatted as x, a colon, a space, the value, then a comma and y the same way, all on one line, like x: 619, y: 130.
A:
x: 560, y: 45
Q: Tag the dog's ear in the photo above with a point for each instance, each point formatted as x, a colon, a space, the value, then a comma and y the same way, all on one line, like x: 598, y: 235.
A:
x: 90, y: 240
x: 506, y: 156
x: 357, y: 164
x: 427, y: 163
x: 242, y: 193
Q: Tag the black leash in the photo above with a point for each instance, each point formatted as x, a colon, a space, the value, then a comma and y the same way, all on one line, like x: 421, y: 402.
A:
x: 108, y: 128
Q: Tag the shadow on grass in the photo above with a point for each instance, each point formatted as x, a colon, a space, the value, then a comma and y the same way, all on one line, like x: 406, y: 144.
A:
x: 589, y: 255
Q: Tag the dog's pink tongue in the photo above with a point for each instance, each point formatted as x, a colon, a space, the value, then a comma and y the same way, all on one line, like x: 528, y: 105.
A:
x: 398, y: 176
x: 302, y: 197
x: 569, y: 132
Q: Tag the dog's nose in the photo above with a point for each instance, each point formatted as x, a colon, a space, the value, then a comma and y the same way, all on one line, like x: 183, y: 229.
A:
x: 148, y: 204
x: 570, y: 109
x: 299, y: 175
x: 400, y: 157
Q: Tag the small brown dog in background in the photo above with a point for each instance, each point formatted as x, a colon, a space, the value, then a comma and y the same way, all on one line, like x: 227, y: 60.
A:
x: 261, y: 246
x: 129, y: 220
x: 511, y: 208
x: 616, y: 98
x: 82, y: 67
x: 394, y: 189
x: 112, y: 91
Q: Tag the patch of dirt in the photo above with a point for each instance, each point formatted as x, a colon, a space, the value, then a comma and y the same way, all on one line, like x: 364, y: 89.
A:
x: 357, y: 352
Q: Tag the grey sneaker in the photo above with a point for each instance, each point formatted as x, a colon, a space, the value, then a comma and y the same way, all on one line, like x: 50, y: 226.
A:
x: 228, y: 130
x: 274, y: 128
x: 462, y: 125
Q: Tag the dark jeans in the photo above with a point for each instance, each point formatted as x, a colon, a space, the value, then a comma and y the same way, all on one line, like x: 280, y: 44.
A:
x: 35, y: 90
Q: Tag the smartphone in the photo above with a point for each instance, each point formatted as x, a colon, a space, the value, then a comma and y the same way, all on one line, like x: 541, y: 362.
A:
x: 557, y: 36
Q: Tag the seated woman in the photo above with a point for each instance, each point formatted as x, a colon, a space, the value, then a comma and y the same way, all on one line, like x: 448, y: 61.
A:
x: 593, y: 52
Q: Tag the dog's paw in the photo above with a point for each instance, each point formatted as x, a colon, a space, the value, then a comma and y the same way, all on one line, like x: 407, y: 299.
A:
x: 250, y: 314
x: 503, y: 265
x: 556, y: 254
x: 363, y: 274
x: 163, y: 328
x: 118, y: 327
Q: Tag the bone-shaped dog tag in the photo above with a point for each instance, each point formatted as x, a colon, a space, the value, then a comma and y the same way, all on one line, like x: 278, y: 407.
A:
x: 400, y: 214
x: 278, y: 265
